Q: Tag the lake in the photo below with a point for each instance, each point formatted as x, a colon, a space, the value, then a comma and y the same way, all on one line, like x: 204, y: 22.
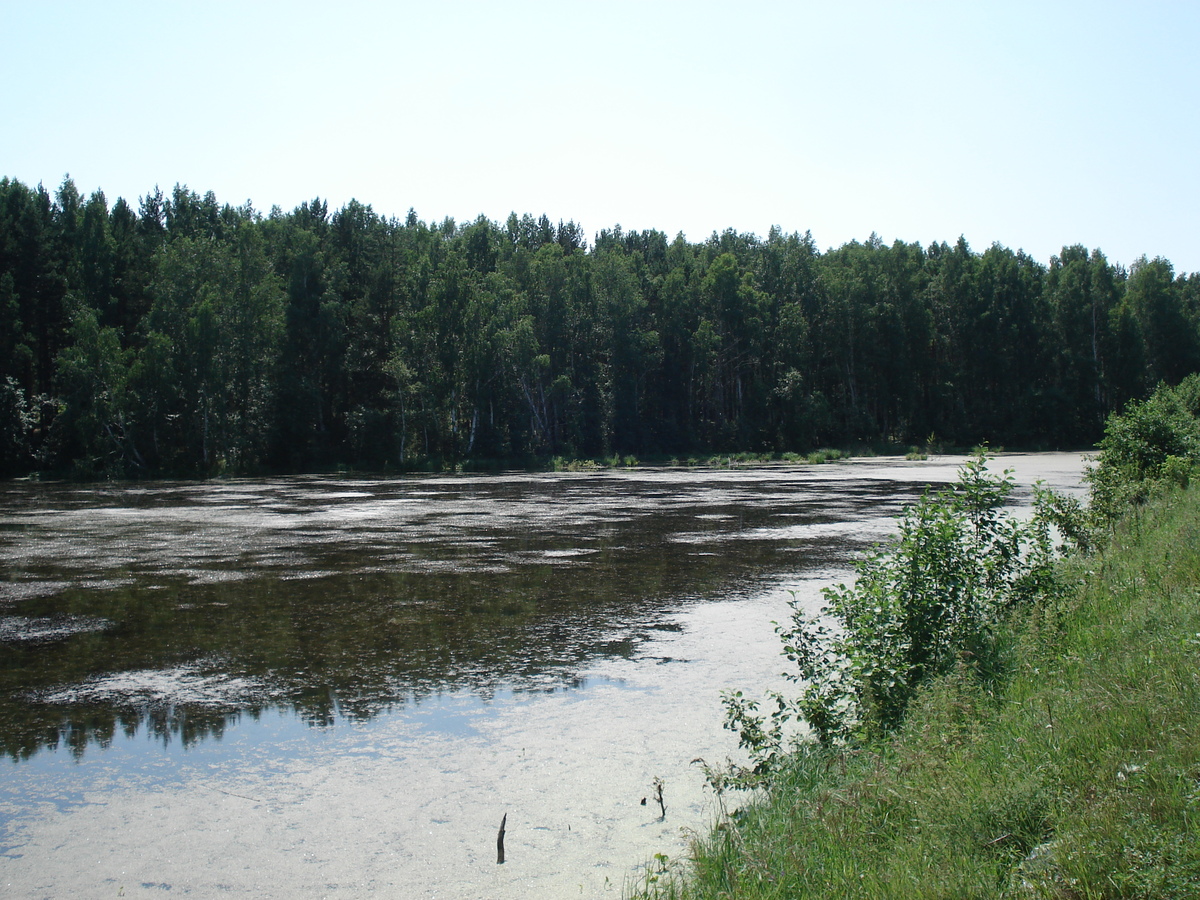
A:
x: 337, y: 686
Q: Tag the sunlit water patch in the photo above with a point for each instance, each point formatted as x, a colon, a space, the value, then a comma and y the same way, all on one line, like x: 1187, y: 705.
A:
x: 46, y: 628
x: 200, y: 684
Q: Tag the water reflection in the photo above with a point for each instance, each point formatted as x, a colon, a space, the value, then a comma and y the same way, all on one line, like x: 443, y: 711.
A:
x: 178, y: 610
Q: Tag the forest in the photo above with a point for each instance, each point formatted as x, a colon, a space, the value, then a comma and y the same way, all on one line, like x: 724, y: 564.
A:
x: 191, y: 337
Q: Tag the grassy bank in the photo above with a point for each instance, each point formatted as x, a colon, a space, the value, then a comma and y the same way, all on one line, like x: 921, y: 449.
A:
x: 1076, y: 777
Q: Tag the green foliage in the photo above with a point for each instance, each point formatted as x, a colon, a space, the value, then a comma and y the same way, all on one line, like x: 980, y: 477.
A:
x: 93, y: 375
x: 218, y: 314
x: 560, y: 464
x: 824, y: 455
x: 1152, y: 444
x: 935, y: 600
x: 320, y: 338
x: 16, y: 424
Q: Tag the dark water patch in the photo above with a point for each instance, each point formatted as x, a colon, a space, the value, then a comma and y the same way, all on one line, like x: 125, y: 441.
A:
x: 341, y: 598
x: 13, y: 591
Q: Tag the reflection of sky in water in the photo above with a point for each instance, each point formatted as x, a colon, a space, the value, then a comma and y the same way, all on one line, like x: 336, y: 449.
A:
x: 282, y: 733
x: 419, y: 787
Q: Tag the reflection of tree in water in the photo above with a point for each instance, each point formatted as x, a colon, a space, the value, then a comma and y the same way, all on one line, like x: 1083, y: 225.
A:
x: 529, y: 612
x: 327, y: 649
x: 75, y: 728
x: 355, y: 657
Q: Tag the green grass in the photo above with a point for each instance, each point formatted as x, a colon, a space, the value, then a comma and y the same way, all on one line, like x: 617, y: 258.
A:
x: 1078, y: 777
x: 825, y: 455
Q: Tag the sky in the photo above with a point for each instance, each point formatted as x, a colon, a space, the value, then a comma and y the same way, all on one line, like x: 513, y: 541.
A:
x: 1033, y: 125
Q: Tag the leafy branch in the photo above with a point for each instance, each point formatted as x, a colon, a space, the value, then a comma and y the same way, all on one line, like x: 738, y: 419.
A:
x: 919, y: 608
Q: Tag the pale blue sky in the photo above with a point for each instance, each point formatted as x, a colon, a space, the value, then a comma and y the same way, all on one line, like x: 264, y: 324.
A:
x: 1032, y: 124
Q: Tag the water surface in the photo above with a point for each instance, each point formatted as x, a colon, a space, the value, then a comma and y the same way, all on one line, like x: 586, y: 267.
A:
x: 336, y: 687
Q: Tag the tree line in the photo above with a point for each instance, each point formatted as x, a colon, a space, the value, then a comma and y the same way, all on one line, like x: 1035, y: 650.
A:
x: 193, y: 337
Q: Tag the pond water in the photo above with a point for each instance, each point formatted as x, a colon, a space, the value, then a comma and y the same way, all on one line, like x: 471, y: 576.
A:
x: 336, y: 687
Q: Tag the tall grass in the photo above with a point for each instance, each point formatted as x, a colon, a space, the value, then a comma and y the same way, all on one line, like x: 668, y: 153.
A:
x: 1076, y: 776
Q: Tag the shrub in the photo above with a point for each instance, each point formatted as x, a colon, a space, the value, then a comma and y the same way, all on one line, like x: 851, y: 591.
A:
x: 933, y: 601
x: 1153, y: 443
x: 825, y: 455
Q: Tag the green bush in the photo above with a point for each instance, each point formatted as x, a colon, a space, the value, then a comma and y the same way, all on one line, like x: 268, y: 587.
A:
x: 1154, y: 442
x: 932, y: 601
x: 826, y: 454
